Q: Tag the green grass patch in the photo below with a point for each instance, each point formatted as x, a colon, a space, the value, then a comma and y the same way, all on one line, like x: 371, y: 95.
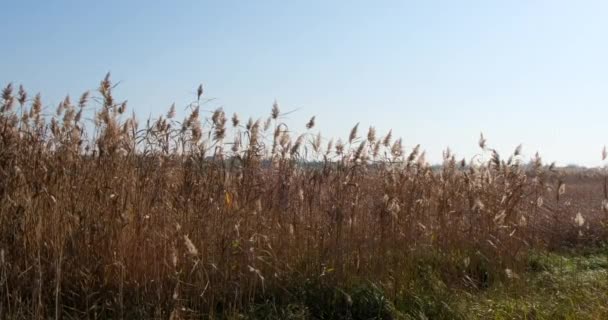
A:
x: 566, y: 285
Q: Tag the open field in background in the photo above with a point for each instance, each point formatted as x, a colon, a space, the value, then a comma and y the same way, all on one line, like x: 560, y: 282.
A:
x: 105, y: 217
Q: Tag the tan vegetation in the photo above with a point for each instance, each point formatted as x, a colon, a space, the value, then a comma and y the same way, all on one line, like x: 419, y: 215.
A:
x: 109, y: 218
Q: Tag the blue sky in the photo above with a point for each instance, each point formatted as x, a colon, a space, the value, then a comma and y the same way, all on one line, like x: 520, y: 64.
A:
x: 436, y: 72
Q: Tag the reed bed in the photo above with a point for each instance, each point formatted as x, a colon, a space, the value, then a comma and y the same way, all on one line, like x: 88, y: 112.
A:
x: 102, y: 216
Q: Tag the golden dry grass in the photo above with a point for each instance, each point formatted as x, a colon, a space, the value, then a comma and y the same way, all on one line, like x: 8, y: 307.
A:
x: 108, y: 218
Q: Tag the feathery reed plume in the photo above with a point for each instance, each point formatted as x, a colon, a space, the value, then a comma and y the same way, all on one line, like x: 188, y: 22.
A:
x: 517, y: 151
x: 353, y: 133
x: 495, y: 159
x: 267, y: 123
x: 275, y: 110
x: 482, y: 141
x: 122, y: 107
x: 397, y: 148
x: 84, y: 98
x: 387, y: 139
x: 21, y: 96
x: 371, y: 135
x: 413, y: 154
x: 316, y: 144
x: 376, y: 150
x: 105, y: 88
x: 7, y: 97
x: 330, y: 145
x: 311, y: 123
x: 171, y: 112
x: 359, y: 152
x: 339, y: 147
x: 296, y: 145
x: 219, y: 122
x: 37, y: 105
x: 199, y: 92
x: 235, y: 120
x: 59, y: 109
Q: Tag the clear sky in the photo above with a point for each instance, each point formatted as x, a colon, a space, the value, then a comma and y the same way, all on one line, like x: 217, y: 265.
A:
x: 436, y: 72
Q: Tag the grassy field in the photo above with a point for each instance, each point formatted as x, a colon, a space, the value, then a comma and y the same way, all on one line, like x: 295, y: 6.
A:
x: 102, y: 217
x: 566, y: 285
x: 557, y: 286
